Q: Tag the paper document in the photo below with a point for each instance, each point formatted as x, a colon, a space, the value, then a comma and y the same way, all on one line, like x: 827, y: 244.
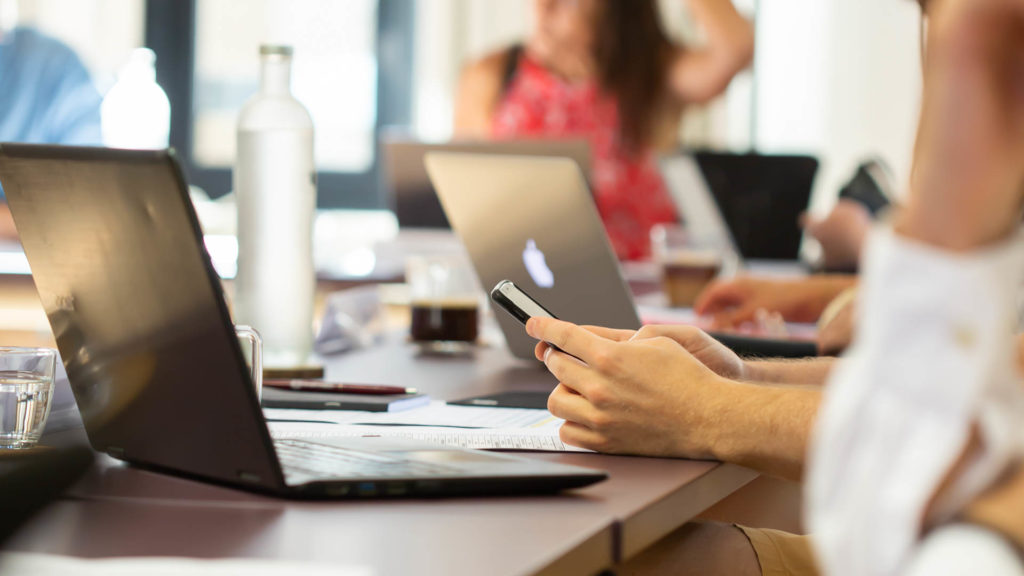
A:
x: 463, y: 426
x: 34, y: 564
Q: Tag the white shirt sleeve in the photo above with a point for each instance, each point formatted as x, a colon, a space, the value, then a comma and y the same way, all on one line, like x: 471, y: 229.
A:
x: 964, y: 550
x: 933, y: 356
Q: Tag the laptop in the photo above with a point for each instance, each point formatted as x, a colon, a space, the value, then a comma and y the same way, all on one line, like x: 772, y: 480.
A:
x: 140, y: 319
x: 758, y: 198
x: 412, y: 196
x: 533, y: 221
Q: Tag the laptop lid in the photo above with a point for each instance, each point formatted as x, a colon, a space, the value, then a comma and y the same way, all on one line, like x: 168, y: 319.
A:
x: 761, y: 198
x: 533, y: 221
x: 411, y: 193
x: 694, y: 201
x: 139, y: 316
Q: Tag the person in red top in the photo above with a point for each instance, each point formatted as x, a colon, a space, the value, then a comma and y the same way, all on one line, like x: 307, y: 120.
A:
x: 605, y: 71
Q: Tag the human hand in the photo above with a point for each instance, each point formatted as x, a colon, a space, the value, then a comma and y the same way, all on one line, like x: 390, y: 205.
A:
x: 708, y: 351
x: 734, y: 302
x: 841, y: 234
x: 646, y: 396
x: 968, y: 170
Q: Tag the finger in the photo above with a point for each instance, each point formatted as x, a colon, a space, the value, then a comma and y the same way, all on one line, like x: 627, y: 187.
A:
x: 575, y: 340
x: 570, y: 406
x: 569, y: 371
x: 611, y: 333
x: 576, y: 435
x: 719, y: 296
x: 687, y: 336
x: 735, y: 317
x: 540, y: 350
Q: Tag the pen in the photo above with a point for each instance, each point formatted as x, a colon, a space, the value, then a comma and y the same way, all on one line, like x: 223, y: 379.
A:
x: 322, y: 386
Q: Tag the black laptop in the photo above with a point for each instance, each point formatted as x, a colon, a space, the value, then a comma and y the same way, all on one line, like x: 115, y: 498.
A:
x: 144, y: 332
x: 761, y: 198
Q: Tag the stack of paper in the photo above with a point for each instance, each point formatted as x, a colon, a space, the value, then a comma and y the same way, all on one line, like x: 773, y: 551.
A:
x: 463, y: 426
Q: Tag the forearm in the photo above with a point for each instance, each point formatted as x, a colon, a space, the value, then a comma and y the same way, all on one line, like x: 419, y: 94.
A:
x: 999, y: 508
x: 728, y: 33
x: 809, y: 371
x: 820, y: 290
x: 765, y: 428
x: 7, y: 230
x: 702, y: 73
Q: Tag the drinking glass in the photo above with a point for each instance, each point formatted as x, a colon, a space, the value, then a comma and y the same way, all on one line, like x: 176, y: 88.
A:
x: 445, y: 302
x: 26, y: 388
x: 688, y: 262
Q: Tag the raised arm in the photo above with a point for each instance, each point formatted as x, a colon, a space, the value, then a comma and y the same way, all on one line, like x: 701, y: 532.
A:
x: 702, y: 73
x: 7, y: 231
x: 478, y: 95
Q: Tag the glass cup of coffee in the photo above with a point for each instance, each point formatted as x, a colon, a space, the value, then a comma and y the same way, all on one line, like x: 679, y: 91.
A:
x: 444, y: 301
x: 688, y: 263
x: 26, y: 388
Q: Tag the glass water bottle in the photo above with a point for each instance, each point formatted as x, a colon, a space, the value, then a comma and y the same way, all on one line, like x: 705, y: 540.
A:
x: 275, y: 186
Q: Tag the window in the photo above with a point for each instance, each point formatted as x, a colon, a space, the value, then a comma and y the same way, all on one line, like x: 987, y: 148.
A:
x: 334, y: 74
x: 102, y: 32
x: 351, y: 68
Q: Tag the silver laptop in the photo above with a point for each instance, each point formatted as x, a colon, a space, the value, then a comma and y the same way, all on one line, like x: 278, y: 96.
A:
x: 140, y: 318
x: 412, y: 196
x: 695, y: 202
x: 533, y: 221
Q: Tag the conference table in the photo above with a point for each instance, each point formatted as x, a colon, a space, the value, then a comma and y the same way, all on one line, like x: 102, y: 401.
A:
x: 118, y: 510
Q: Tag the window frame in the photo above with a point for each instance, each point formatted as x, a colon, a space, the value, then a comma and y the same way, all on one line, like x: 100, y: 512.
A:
x: 170, y: 31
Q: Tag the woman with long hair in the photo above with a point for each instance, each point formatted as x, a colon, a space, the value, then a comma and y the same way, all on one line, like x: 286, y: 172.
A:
x: 605, y: 71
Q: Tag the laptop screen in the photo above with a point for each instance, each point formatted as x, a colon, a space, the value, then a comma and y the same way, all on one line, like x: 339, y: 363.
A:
x: 142, y: 327
x: 761, y: 198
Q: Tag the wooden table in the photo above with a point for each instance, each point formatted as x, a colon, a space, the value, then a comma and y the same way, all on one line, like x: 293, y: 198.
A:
x: 122, y: 511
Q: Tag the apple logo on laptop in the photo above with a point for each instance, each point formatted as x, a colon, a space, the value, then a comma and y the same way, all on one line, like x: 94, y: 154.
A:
x: 537, y: 266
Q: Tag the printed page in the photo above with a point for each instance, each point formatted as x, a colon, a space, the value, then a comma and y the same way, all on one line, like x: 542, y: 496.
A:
x: 435, y: 414
x: 536, y: 439
x: 477, y: 427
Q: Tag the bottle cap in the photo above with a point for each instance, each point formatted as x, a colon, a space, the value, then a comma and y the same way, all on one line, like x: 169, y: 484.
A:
x: 275, y: 50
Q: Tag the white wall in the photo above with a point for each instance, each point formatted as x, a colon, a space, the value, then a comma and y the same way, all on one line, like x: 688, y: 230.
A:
x: 840, y: 79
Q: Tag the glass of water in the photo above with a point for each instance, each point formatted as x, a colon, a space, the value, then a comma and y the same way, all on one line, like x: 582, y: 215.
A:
x: 26, y: 386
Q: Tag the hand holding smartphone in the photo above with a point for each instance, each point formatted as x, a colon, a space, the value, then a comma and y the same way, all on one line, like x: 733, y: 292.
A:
x: 520, y: 305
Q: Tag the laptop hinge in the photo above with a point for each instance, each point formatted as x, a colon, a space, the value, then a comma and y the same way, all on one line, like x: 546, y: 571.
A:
x: 248, y: 477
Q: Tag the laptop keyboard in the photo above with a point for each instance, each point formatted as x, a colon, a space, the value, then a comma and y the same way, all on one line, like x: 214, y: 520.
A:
x: 304, y: 461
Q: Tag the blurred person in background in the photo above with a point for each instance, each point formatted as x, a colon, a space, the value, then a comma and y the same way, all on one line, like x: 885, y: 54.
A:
x: 826, y: 299
x: 605, y: 71
x: 914, y: 465
x: 47, y: 95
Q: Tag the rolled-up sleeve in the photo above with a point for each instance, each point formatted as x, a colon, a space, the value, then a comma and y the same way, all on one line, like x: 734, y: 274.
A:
x: 933, y: 356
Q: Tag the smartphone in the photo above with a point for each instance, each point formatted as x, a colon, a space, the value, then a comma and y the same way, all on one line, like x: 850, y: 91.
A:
x: 520, y: 305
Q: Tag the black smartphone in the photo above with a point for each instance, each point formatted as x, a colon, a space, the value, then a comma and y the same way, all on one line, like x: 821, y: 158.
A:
x: 518, y: 303
x: 521, y: 305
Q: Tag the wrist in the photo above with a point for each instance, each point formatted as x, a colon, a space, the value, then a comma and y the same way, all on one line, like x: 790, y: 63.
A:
x: 751, y: 371
x: 718, y: 427
x: 759, y: 371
